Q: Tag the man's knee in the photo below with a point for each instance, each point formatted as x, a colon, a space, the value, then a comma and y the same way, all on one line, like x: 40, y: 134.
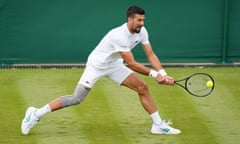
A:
x: 142, y: 88
x: 73, y: 100
x: 78, y: 96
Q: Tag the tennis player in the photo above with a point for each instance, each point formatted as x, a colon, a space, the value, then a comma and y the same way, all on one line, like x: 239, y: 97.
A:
x: 112, y: 58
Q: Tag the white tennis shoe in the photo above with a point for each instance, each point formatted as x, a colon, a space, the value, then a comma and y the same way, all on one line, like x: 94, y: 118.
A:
x: 164, y: 128
x: 29, y: 120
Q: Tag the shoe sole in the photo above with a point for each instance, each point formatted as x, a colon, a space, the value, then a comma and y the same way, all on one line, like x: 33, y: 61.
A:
x: 165, y: 132
x: 162, y: 133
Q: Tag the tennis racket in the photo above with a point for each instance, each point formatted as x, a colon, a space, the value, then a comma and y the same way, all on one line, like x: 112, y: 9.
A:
x: 197, y: 84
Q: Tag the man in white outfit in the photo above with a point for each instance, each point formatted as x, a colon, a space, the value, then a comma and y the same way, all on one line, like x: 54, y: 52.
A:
x: 107, y: 60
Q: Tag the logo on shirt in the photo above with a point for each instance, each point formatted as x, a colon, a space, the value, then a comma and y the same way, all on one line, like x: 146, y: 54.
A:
x: 123, y: 46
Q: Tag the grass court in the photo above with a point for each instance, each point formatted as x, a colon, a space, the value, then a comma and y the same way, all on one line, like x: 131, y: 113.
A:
x: 112, y: 114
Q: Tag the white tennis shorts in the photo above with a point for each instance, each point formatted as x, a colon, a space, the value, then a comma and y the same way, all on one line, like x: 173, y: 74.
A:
x: 92, y: 74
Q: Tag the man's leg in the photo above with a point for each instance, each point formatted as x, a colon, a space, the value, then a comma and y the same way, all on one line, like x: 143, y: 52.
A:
x: 78, y: 96
x: 135, y: 83
x: 33, y: 115
x: 125, y: 76
x: 159, y: 126
x: 86, y: 82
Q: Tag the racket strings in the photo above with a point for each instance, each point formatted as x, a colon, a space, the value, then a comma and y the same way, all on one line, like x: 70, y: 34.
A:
x: 197, y: 85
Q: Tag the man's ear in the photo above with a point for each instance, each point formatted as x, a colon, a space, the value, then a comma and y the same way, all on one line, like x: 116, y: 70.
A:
x: 129, y: 19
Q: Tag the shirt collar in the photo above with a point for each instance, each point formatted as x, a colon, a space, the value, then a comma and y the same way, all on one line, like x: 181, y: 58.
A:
x: 127, y: 30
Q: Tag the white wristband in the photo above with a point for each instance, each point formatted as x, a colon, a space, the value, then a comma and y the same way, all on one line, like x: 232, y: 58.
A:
x: 153, y: 73
x: 162, y: 72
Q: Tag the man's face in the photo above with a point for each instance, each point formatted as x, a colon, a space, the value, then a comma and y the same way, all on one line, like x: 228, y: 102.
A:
x: 135, y: 23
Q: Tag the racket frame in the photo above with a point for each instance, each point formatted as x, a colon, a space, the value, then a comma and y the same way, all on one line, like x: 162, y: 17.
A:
x: 185, y: 80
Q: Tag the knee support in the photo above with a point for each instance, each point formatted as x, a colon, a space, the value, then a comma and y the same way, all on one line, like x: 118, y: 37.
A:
x: 78, y: 96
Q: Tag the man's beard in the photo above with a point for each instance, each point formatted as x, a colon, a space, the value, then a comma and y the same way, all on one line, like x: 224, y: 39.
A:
x: 137, y: 30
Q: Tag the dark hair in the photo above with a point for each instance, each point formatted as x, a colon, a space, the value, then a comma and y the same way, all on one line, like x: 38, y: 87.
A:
x: 132, y: 10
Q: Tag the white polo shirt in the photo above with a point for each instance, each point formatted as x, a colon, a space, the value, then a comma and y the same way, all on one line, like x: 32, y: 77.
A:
x: 106, y: 54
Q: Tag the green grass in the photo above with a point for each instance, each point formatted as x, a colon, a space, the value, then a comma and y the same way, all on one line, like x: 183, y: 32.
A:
x: 112, y: 114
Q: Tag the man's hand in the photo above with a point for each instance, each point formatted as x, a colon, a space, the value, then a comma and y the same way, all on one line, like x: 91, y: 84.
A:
x: 165, y: 80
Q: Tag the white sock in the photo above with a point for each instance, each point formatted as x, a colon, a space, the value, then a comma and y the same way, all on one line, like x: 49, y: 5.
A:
x: 156, y: 118
x: 42, y: 111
